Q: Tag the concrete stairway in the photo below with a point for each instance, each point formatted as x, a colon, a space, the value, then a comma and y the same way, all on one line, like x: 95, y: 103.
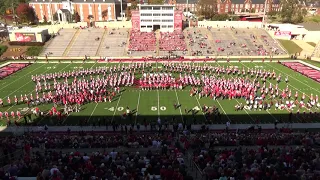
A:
x: 101, y: 41
x: 307, y: 49
x: 316, y: 51
x: 186, y: 40
x: 75, y: 36
x: 158, y: 36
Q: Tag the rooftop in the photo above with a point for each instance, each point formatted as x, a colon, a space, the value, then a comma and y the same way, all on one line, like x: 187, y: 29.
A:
x: 24, y: 30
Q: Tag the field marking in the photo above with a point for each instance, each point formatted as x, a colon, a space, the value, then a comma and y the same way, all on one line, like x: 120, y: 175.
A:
x: 200, y: 109
x: 18, y: 89
x: 52, y: 103
x: 158, y: 104
x: 293, y: 77
x: 137, y: 109
x: 22, y: 76
x: 179, y: 105
x: 91, y: 112
x: 239, y: 103
x: 272, y: 85
x: 81, y: 65
x: 116, y: 108
x: 223, y: 110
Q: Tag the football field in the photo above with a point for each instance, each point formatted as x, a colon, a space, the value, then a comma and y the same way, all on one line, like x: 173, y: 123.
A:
x: 148, y: 106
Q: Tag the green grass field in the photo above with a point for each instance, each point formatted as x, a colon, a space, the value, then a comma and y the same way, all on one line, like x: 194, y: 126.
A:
x: 290, y: 46
x: 149, y: 105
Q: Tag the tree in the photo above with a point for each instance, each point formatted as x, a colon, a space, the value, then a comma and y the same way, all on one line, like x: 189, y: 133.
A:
x: 76, y: 17
x: 220, y: 17
x: 155, y: 1
x: 206, y: 8
x: 55, y: 16
x: 272, y: 13
x: 134, y: 5
x: 25, y: 13
x: 292, y: 11
x: 104, y: 14
x: 45, y: 19
x: 253, y: 10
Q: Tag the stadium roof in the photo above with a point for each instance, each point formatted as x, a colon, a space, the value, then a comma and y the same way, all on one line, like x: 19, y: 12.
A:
x: 311, y: 26
x: 24, y: 30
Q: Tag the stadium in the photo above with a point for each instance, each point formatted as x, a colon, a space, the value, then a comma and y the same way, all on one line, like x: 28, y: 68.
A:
x: 157, y: 98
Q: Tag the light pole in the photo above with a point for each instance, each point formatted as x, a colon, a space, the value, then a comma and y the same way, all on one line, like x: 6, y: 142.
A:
x: 121, y: 11
x: 264, y: 13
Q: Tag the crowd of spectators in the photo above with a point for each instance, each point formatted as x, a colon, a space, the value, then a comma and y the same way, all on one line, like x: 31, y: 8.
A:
x: 173, y: 41
x: 40, y: 157
x: 142, y: 41
x: 47, y: 155
x: 262, y: 163
x: 198, y: 42
x: 254, y: 139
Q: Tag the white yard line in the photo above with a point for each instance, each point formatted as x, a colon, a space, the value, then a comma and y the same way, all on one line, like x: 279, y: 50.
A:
x: 22, y: 76
x: 200, y: 107
x: 158, y: 104
x: 92, y: 112
x: 223, y: 110
x: 243, y: 109
x: 115, y: 110
x: 137, y: 109
x: 71, y: 113
x: 179, y: 105
x: 293, y: 78
x: 310, y: 65
x: 272, y: 85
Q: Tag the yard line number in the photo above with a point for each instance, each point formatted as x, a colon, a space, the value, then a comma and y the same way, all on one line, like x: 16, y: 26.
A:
x: 162, y: 108
x: 113, y: 108
x: 51, y: 67
x: 120, y: 108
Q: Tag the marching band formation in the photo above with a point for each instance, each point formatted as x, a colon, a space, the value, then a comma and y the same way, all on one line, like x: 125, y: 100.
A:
x: 74, y: 88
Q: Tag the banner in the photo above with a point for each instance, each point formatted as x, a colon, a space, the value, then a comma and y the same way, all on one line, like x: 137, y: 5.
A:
x: 135, y: 19
x: 282, y: 33
x: 25, y: 37
x: 178, y: 20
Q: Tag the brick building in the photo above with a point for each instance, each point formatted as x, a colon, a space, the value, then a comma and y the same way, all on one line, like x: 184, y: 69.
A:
x: 230, y: 6
x: 65, y: 8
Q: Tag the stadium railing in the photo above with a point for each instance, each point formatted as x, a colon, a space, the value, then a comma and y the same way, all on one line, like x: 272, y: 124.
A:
x: 199, y: 175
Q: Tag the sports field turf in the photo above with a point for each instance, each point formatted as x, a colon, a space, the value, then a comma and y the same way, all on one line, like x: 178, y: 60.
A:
x: 149, y: 105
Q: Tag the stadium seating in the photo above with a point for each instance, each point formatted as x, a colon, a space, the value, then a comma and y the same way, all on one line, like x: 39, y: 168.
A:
x: 142, y: 41
x: 87, y: 43
x: 115, y: 43
x: 253, y: 42
x: 138, y: 163
x: 59, y: 43
x: 198, y: 42
x: 172, y: 41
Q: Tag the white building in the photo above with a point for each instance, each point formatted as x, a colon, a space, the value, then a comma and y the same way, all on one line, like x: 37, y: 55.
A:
x: 153, y: 17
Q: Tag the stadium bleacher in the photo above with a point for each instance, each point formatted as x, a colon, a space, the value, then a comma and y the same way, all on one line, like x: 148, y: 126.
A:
x: 59, y: 43
x: 115, y: 43
x: 87, y: 43
x: 240, y: 42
